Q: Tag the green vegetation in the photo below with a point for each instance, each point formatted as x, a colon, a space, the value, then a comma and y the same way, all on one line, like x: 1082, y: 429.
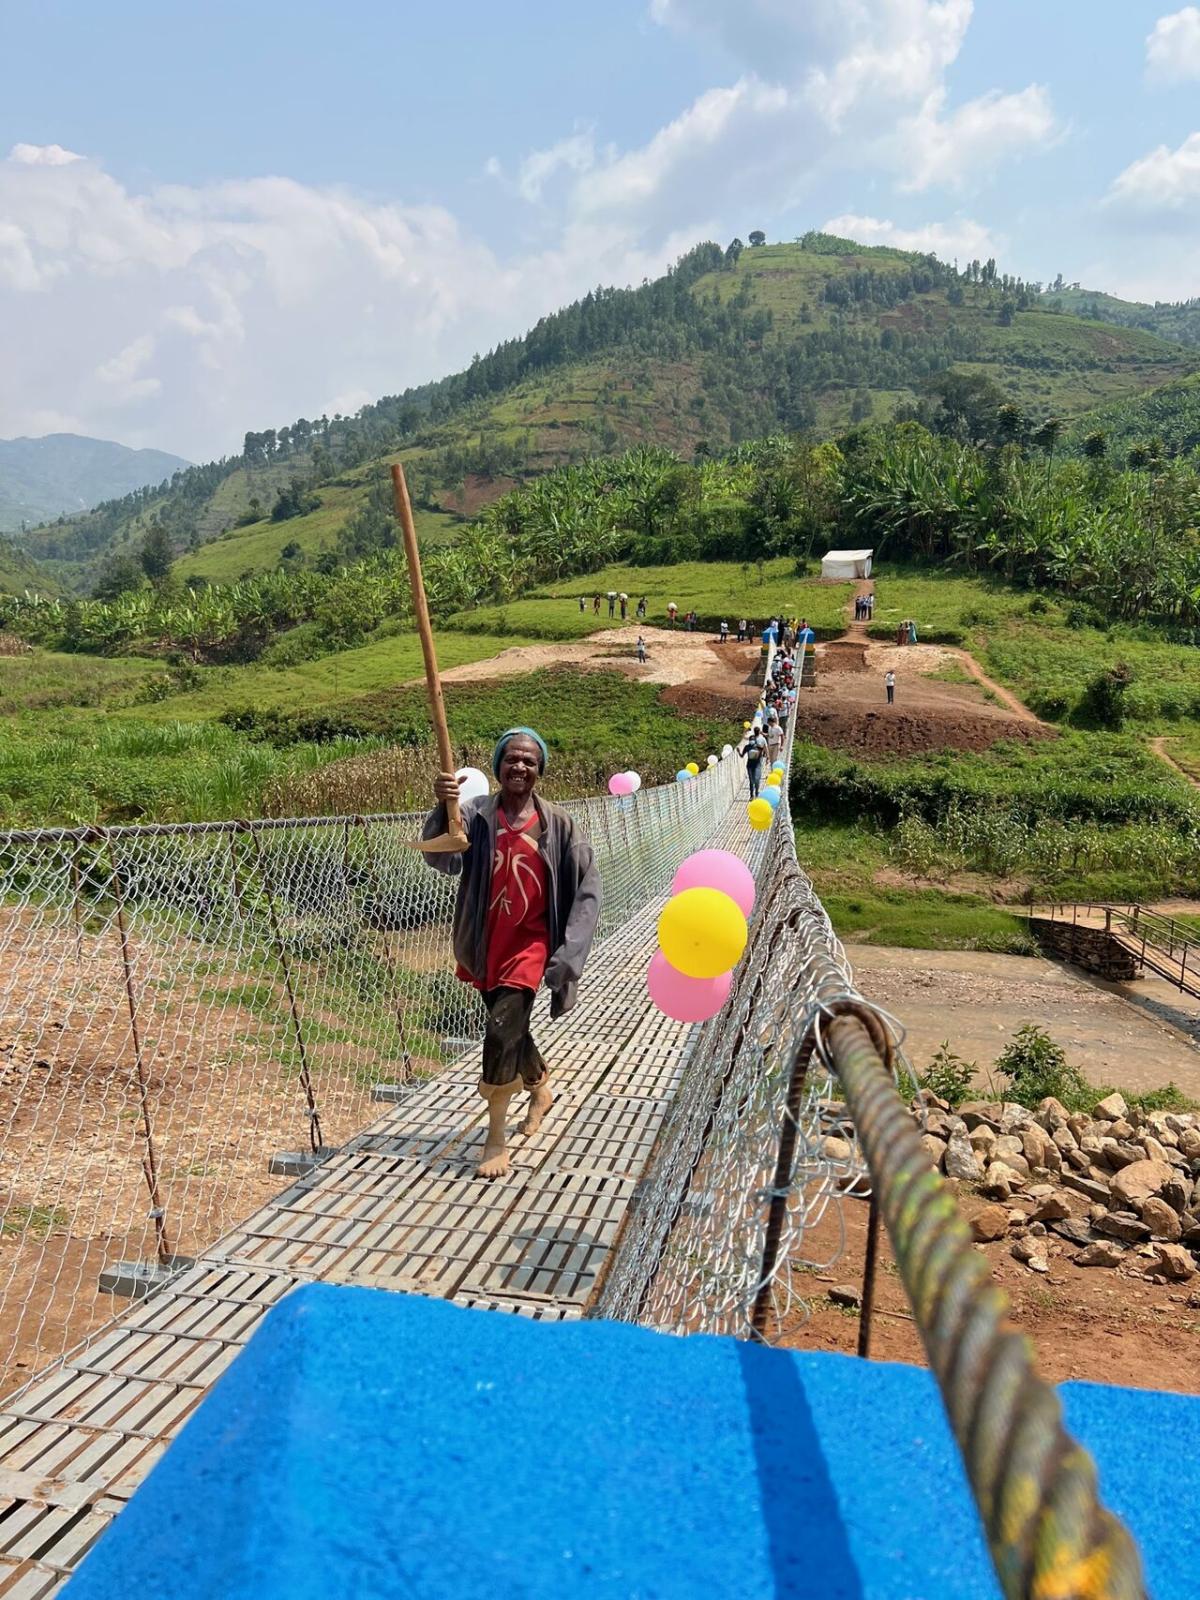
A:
x: 386, y: 662
x: 816, y: 335
x: 19, y: 572
x: 353, y: 754
x: 39, y: 679
x: 714, y: 589
x: 34, y: 1222
x: 1036, y: 1069
x: 948, y: 1076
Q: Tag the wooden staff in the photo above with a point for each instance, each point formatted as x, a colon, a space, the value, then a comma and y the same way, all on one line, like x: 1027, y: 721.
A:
x: 455, y: 837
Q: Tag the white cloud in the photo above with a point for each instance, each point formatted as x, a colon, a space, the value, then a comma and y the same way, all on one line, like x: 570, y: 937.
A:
x: 255, y: 299
x: 42, y: 155
x: 962, y: 237
x: 827, y: 86
x: 1173, y: 47
x: 1165, y: 183
x: 182, y: 317
x: 949, y: 149
x: 122, y: 372
x: 576, y: 153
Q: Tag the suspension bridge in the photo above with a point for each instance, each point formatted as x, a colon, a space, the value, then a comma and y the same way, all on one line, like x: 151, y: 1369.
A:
x: 236, y: 1077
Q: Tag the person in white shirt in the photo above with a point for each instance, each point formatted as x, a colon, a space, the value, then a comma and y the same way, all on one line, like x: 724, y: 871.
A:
x: 889, y: 683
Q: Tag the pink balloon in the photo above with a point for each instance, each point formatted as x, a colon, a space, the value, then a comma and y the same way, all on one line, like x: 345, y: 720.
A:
x: 685, y: 999
x: 619, y: 784
x: 717, y: 869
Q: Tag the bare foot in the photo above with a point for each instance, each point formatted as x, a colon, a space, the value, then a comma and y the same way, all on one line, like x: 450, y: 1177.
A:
x: 494, y: 1161
x: 541, y: 1098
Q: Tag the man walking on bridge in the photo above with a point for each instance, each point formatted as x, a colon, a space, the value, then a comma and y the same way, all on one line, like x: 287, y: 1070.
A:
x: 527, y: 908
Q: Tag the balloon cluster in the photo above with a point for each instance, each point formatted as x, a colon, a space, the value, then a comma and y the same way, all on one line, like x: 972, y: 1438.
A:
x: 701, y: 935
x: 761, y: 809
x: 624, y: 783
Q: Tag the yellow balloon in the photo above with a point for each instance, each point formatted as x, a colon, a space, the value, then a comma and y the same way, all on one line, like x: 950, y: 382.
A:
x: 760, y: 813
x: 702, y: 932
x: 692, y: 768
x: 745, y: 725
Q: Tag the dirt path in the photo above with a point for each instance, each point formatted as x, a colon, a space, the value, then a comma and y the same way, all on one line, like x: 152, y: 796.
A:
x: 1005, y: 696
x: 1159, y: 746
x: 1138, y: 1035
x: 674, y: 657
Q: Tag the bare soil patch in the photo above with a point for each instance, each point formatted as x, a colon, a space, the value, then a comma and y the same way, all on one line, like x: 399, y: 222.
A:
x: 1085, y: 1322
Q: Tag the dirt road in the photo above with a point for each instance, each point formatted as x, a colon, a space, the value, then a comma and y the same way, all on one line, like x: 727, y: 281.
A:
x: 1138, y: 1035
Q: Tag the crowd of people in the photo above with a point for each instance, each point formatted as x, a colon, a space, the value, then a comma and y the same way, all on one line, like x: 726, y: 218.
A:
x: 864, y: 607
x: 764, y: 739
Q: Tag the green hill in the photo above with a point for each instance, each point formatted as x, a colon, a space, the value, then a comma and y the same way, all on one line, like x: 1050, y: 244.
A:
x: 809, y: 337
x: 19, y: 572
x: 67, y: 473
x: 1165, y: 421
x: 1175, y: 320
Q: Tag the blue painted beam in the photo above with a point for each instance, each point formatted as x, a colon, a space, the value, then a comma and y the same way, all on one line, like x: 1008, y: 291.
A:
x: 378, y: 1446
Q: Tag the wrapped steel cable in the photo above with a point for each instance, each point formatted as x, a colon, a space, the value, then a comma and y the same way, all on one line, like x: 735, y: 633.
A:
x: 1035, y: 1486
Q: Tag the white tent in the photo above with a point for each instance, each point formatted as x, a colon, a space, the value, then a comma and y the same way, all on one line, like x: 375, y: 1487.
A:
x: 846, y: 564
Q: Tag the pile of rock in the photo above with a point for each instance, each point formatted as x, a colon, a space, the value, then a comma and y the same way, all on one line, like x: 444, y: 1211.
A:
x: 1116, y: 1187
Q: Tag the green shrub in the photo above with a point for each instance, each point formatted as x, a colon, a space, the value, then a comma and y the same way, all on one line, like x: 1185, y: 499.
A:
x: 948, y: 1076
x: 1037, y: 1068
x: 1103, y: 703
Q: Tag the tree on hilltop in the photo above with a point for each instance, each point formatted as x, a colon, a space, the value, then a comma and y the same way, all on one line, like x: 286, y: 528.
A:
x: 758, y: 237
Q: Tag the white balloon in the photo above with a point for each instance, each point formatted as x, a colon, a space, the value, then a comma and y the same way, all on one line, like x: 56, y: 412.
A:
x: 473, y: 784
x: 728, y: 751
x: 712, y: 761
x: 636, y: 779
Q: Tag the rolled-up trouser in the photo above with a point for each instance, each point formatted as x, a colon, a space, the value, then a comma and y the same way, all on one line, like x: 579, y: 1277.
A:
x: 508, y: 1047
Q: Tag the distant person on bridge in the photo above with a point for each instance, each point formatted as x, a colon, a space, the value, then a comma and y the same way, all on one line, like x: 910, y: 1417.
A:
x: 527, y: 908
x: 754, y: 748
x: 774, y: 736
x: 889, y: 683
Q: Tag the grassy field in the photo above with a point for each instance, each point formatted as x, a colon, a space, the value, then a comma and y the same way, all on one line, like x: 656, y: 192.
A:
x: 715, y: 589
x: 948, y: 608
x: 258, y: 546
x: 66, y: 766
x: 382, y: 664
x: 43, y: 678
x: 842, y: 859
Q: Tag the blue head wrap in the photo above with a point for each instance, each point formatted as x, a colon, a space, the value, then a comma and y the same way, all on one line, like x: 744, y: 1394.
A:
x: 511, y: 733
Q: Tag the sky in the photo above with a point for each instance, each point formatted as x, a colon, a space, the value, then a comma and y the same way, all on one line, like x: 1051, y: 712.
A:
x: 222, y: 217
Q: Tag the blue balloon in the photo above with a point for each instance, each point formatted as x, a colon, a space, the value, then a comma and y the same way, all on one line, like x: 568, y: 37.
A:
x: 683, y: 776
x: 772, y: 794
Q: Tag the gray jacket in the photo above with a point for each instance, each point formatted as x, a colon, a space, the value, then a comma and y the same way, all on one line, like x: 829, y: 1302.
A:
x: 573, y: 898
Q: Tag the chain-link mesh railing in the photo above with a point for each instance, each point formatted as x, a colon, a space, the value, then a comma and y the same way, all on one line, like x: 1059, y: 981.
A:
x: 690, y: 1256
x: 178, y: 1004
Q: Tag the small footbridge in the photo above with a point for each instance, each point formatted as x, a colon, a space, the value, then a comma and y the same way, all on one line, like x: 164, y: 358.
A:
x: 232, y: 1063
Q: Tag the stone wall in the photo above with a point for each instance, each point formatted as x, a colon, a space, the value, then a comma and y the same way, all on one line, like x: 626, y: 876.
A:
x: 1090, y: 948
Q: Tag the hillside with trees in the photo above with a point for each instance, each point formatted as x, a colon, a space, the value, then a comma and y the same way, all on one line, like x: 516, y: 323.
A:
x: 732, y: 344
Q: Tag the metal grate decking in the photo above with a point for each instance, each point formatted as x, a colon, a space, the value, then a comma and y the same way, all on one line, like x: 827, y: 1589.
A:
x: 397, y: 1207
